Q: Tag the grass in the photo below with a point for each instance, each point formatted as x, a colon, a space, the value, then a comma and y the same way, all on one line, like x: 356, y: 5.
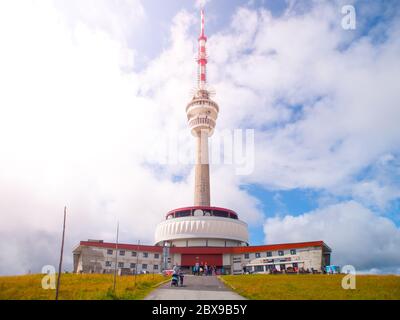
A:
x: 79, y: 287
x: 314, y: 287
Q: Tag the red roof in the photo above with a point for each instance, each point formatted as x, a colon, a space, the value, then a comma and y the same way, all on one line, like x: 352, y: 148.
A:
x: 121, y: 246
x: 207, y: 250
x: 281, y: 246
x: 202, y: 208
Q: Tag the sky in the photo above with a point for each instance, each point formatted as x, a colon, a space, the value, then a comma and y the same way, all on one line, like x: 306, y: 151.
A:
x: 91, y: 92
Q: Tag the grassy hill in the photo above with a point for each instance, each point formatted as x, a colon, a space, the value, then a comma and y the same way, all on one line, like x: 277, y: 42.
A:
x: 259, y: 287
x: 321, y: 287
x: 79, y: 287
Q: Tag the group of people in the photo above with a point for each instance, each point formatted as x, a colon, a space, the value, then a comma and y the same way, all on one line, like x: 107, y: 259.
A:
x: 199, y: 270
x: 177, y: 277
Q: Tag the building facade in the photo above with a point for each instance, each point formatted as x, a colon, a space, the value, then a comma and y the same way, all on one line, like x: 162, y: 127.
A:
x: 96, y: 256
x: 201, y: 234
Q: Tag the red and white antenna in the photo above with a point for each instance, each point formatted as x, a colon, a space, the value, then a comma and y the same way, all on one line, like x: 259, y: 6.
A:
x: 202, y: 55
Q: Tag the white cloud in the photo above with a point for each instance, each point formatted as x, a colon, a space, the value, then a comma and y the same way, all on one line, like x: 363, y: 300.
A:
x: 122, y: 18
x: 75, y: 130
x: 356, y: 235
x: 324, y: 102
x: 201, y: 3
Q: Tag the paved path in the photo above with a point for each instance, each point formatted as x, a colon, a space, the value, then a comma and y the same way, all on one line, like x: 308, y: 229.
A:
x: 195, y: 288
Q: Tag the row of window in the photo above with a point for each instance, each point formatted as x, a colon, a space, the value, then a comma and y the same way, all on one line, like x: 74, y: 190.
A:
x: 272, y: 267
x: 131, y: 265
x: 133, y: 253
x: 269, y: 254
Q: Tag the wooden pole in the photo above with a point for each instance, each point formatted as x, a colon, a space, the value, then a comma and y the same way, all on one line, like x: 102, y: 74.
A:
x: 61, y: 255
x: 137, y: 260
x: 116, y: 258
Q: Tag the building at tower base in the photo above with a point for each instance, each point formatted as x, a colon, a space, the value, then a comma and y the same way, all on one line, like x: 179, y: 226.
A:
x: 96, y: 256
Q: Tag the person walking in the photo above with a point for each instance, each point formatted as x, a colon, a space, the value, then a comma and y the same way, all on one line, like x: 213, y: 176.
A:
x: 181, y: 276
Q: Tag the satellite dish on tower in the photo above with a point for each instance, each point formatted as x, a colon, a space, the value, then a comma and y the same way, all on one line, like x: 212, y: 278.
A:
x: 198, y: 213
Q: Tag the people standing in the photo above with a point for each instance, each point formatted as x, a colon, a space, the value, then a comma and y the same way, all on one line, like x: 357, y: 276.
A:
x: 181, y: 275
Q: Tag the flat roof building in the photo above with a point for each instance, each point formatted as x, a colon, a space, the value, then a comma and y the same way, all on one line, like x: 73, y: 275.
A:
x: 100, y: 257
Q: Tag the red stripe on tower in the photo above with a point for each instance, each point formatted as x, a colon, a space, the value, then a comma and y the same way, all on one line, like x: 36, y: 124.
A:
x: 202, y: 55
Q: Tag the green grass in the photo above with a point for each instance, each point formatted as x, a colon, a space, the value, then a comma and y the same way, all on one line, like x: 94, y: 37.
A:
x: 314, y: 287
x: 79, y: 287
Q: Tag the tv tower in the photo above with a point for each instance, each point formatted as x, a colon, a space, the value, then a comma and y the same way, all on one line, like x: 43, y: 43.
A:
x: 202, y: 114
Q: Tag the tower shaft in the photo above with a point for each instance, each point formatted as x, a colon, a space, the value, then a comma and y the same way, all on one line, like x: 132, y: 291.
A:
x: 202, y: 172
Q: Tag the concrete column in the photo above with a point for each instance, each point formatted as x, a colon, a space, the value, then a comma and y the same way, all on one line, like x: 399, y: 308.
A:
x: 202, y: 171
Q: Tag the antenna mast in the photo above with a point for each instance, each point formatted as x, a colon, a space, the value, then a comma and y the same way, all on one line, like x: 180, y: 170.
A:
x: 202, y: 55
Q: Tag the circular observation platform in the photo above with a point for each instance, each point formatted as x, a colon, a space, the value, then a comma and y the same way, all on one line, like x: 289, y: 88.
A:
x: 202, y: 113
x: 201, y: 226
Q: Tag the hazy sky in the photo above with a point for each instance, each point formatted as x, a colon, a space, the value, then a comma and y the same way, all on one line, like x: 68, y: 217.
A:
x: 90, y: 91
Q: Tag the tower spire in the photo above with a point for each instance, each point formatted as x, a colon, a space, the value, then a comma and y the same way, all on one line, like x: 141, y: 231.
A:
x: 202, y: 55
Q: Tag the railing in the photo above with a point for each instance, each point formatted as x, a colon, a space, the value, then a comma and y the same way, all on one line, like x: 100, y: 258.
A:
x: 200, y: 121
x: 197, y: 102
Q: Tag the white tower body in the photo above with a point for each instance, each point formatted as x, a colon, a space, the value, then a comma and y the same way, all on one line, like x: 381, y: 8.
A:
x: 202, y: 114
x: 202, y: 225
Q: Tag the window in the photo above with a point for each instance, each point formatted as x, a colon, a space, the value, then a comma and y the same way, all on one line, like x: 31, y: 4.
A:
x: 281, y: 253
x: 233, y: 216
x: 145, y: 255
x: 156, y: 256
x: 144, y: 266
x: 218, y: 213
x: 122, y: 252
x: 258, y: 255
x: 110, y: 252
x: 258, y: 268
x: 133, y: 254
x: 269, y: 254
x: 108, y: 263
x: 120, y: 264
x: 156, y: 267
x: 293, y: 251
x: 181, y: 214
x: 295, y: 265
x: 246, y: 256
x: 133, y: 265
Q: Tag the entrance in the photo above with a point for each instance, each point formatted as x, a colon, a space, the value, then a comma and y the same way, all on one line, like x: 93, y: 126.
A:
x: 189, y: 260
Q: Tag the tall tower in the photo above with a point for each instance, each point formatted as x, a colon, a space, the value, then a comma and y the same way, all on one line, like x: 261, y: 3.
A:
x: 202, y: 114
x: 201, y: 226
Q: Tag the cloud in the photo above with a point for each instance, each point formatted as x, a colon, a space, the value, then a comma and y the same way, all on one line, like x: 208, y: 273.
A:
x: 78, y: 124
x: 76, y: 129
x: 322, y: 99
x: 356, y: 235
x: 122, y: 19
x: 201, y: 3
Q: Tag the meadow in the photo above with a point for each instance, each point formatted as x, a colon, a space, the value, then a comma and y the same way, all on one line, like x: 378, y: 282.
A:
x: 314, y: 287
x: 79, y: 287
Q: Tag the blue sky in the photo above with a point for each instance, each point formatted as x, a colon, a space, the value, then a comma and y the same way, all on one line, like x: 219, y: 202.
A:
x: 105, y: 83
x: 158, y: 21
